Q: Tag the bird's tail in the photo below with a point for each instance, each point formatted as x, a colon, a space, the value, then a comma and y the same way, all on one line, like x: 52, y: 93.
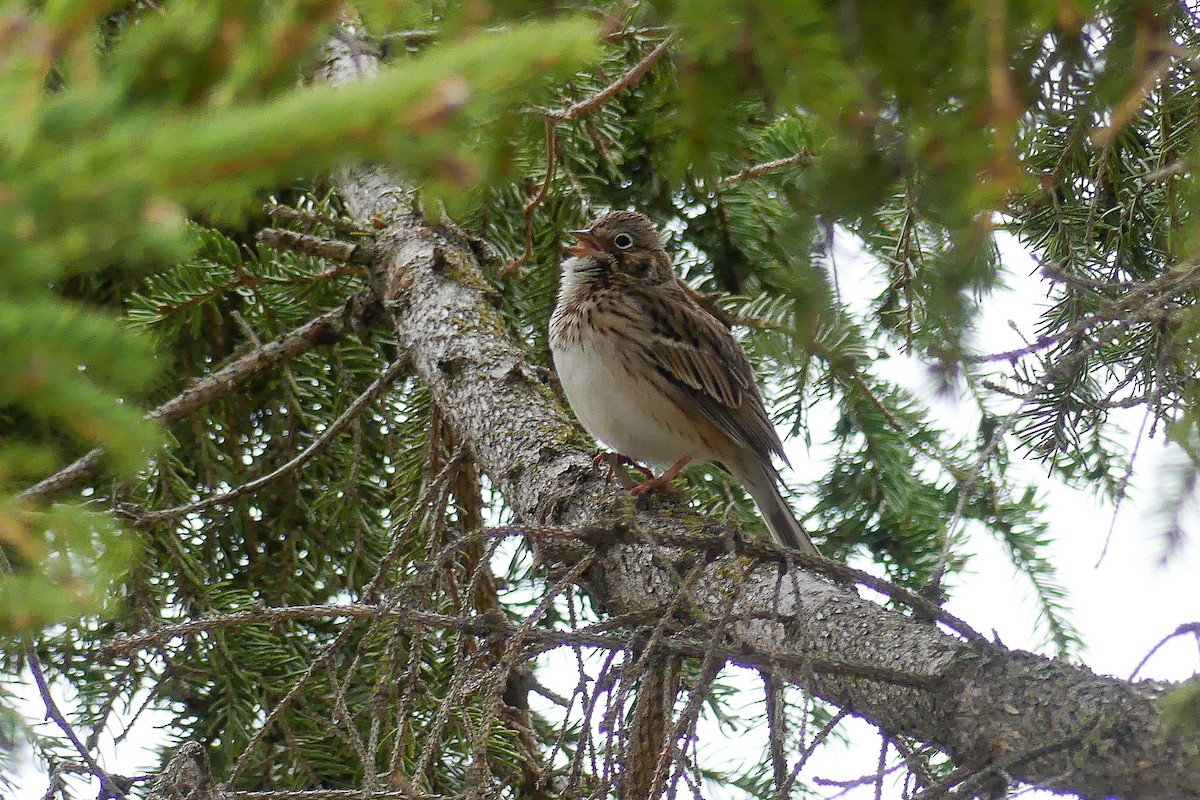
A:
x: 762, y: 482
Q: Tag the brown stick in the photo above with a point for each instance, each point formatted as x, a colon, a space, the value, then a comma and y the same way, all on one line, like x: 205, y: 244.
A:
x: 634, y: 74
x: 802, y: 159
x: 364, y: 252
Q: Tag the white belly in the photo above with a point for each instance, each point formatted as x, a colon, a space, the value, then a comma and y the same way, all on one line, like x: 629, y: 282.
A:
x: 632, y: 418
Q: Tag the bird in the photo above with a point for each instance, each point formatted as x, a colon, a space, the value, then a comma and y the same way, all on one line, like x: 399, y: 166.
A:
x: 655, y: 377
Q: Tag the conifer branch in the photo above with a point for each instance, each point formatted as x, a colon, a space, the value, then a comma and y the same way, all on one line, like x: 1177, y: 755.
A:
x: 324, y: 329
x: 802, y: 159
x: 145, y: 518
x: 415, y: 651
x: 1149, y: 301
x: 631, y: 76
x: 434, y: 494
x: 278, y: 211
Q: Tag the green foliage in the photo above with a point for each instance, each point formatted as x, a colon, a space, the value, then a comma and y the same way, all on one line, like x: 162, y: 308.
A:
x: 1181, y: 708
x: 1109, y: 210
x: 138, y: 142
x: 191, y: 108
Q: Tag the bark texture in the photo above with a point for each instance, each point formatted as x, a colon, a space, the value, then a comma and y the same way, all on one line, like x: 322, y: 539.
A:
x: 186, y: 776
x: 1037, y: 720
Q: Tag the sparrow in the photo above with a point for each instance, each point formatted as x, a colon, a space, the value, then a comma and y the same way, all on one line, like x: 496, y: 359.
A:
x: 654, y: 376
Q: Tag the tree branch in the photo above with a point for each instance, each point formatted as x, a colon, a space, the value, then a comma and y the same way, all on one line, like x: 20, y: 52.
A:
x: 369, y: 395
x: 802, y: 159
x: 984, y: 706
x: 325, y: 329
x: 362, y: 252
x: 111, y: 786
x: 634, y: 74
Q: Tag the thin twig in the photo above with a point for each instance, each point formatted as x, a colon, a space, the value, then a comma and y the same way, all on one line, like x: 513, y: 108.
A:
x: 1144, y: 300
x: 310, y: 217
x: 802, y: 159
x: 785, y: 791
x: 776, y: 728
x: 853, y: 783
x: 1122, y: 488
x: 366, y: 251
x: 1134, y: 300
x: 1182, y: 630
x: 531, y: 205
x: 146, y: 518
x: 370, y: 594
x: 589, y: 104
x: 246, y: 327
x: 324, y: 329
x: 111, y: 786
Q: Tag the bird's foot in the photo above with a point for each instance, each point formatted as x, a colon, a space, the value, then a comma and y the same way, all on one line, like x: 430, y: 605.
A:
x: 612, y: 463
x: 660, y: 484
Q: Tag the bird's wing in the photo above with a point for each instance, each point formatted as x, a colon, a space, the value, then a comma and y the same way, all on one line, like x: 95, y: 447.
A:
x: 699, y: 355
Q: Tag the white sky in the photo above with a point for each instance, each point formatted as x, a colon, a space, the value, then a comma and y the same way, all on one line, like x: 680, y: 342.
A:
x: 1122, y: 607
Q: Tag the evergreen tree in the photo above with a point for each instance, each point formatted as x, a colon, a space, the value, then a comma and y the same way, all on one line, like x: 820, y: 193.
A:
x: 282, y: 456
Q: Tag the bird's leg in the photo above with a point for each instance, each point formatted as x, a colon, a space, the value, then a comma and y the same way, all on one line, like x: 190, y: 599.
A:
x: 612, y: 461
x: 662, y: 482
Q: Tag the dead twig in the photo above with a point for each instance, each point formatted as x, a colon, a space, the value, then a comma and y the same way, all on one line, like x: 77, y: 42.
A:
x: 365, y: 252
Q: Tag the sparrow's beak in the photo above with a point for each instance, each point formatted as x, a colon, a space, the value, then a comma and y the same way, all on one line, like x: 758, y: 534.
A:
x: 588, y: 244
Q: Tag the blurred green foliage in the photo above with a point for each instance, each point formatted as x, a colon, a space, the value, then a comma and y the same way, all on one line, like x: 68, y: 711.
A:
x: 122, y: 124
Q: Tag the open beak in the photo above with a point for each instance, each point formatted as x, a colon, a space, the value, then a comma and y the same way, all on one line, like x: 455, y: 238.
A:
x: 588, y: 244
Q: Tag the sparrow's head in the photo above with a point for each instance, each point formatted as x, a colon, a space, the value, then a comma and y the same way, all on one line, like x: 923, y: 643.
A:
x: 626, y: 241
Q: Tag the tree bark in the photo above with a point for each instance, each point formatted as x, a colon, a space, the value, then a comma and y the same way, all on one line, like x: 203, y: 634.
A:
x: 1033, y: 719
x: 186, y: 776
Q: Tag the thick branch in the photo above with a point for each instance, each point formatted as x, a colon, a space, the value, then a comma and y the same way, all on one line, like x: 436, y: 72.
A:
x: 1090, y: 734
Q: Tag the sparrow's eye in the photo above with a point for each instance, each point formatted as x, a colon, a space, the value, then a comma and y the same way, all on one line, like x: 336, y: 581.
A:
x: 623, y: 241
